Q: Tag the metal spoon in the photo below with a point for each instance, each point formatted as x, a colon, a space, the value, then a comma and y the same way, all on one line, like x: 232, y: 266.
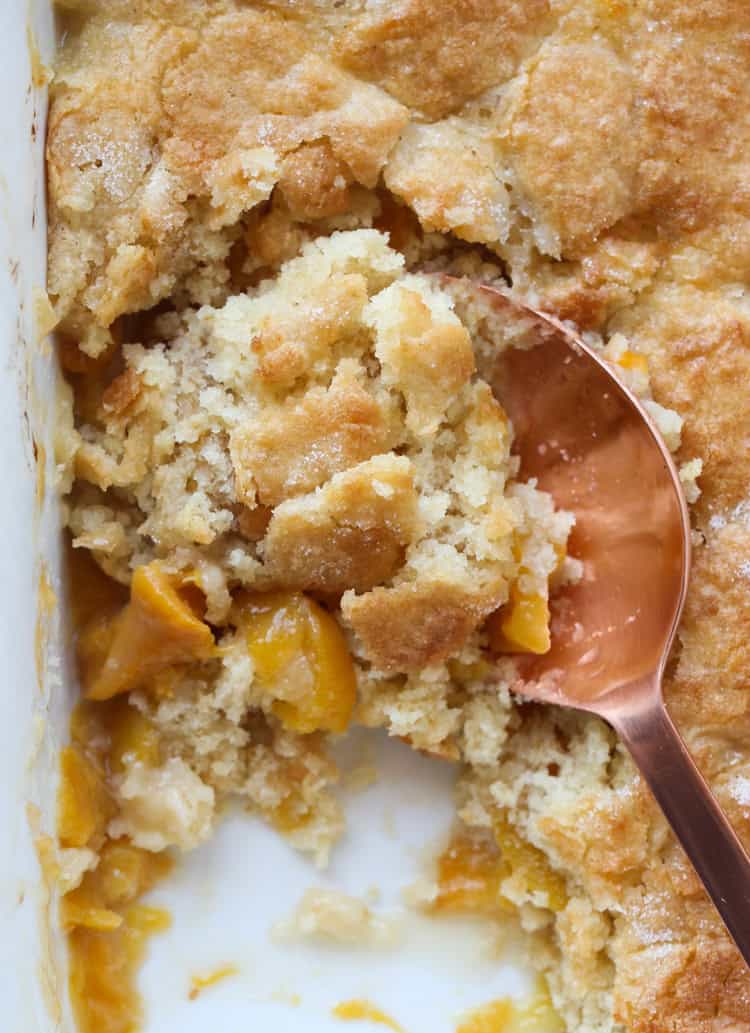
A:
x: 592, y: 446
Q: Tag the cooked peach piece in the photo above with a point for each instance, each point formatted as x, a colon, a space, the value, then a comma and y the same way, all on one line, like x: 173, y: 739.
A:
x: 469, y: 875
x: 84, y: 805
x: 156, y: 629
x: 522, y: 626
x: 301, y: 659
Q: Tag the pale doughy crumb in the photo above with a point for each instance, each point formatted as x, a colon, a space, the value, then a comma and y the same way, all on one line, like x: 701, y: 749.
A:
x: 73, y: 863
x: 335, y: 916
x: 164, y: 806
x: 668, y: 422
x: 45, y: 319
x: 689, y: 474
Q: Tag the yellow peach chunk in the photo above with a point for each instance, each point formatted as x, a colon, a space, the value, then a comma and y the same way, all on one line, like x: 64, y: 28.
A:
x: 144, y: 920
x: 93, y: 646
x: 529, y: 865
x: 522, y: 625
x: 115, y: 733
x: 469, y: 875
x: 533, y: 1014
x: 77, y: 913
x: 92, y: 592
x: 632, y: 360
x: 156, y: 629
x: 301, y: 660
x: 133, y: 738
x: 83, y: 805
x: 125, y: 872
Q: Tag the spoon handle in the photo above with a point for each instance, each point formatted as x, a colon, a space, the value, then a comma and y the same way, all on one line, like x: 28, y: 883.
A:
x: 693, y: 812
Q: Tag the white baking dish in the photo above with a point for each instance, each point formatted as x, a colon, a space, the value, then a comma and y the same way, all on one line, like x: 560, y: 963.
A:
x: 226, y: 897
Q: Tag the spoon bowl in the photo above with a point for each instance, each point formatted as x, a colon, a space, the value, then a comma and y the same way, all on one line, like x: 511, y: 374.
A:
x: 590, y: 443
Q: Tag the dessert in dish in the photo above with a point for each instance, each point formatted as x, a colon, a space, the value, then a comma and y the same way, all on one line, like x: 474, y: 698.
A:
x: 292, y: 499
x: 308, y: 498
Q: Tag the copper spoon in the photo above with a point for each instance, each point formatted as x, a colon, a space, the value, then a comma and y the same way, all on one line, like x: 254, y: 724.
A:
x: 592, y: 446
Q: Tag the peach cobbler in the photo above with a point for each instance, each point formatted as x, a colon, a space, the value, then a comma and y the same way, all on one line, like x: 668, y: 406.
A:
x: 291, y: 496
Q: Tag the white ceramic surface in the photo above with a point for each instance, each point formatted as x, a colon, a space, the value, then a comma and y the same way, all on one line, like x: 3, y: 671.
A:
x: 26, y: 763
x: 225, y: 897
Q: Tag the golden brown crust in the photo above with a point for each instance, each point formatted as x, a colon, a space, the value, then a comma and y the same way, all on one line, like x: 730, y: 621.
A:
x: 314, y: 182
x: 302, y: 339
x: 410, y: 627
x: 569, y: 138
x: 352, y: 533
x: 215, y: 115
x: 302, y: 444
x: 445, y: 171
x: 435, y: 57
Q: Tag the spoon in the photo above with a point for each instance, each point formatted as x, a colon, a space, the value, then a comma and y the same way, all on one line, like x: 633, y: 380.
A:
x: 592, y: 446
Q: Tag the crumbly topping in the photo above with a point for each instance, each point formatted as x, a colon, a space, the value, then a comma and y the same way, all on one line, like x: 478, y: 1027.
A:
x: 281, y: 409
